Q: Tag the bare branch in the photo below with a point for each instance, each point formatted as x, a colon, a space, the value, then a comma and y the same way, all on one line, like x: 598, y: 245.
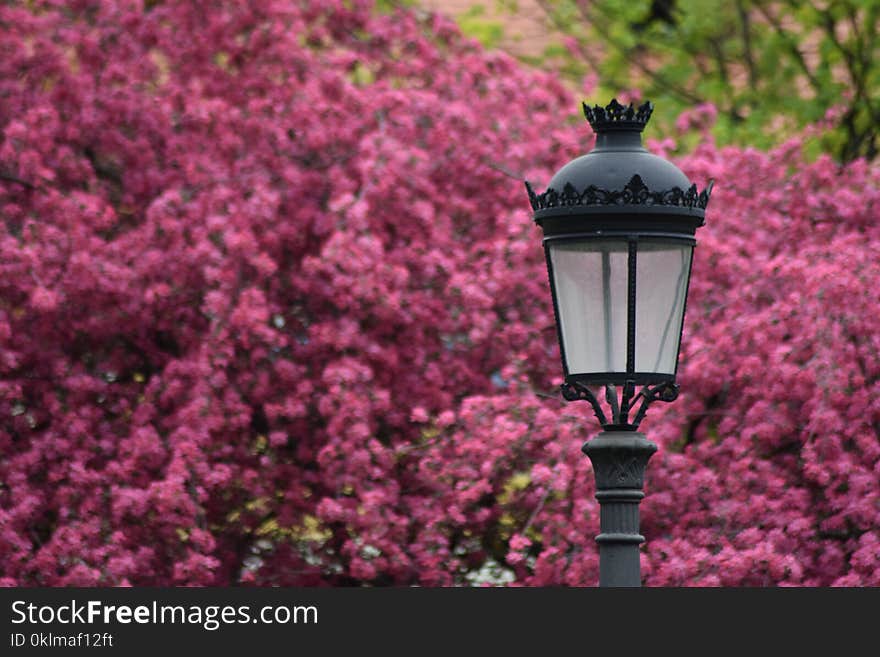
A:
x: 503, y: 169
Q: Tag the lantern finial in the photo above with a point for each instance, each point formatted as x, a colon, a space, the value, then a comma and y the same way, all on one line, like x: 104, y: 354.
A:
x: 615, y: 116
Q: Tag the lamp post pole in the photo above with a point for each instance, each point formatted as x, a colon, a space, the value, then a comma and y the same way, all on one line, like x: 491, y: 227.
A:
x: 619, y: 459
x: 619, y: 228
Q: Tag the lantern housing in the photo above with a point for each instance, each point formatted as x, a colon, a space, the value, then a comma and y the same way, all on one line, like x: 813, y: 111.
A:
x: 619, y: 228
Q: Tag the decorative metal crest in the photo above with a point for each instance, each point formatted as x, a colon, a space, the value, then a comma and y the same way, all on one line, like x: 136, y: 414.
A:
x: 620, y: 468
x: 616, y: 115
x: 635, y: 192
x: 666, y: 392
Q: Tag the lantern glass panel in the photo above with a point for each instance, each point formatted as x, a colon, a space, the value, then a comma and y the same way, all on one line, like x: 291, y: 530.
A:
x: 662, y: 272
x: 590, y: 283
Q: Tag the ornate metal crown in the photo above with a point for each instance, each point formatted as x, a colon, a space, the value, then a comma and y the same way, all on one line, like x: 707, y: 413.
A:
x: 635, y: 192
x: 615, y: 116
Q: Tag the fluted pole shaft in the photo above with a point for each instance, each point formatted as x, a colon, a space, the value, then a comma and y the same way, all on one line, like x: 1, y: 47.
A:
x: 619, y: 460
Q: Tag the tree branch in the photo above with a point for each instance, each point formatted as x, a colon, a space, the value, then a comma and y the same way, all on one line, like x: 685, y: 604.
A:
x: 746, y: 30
x: 15, y: 179
x: 551, y: 16
x: 791, y: 46
x: 657, y: 78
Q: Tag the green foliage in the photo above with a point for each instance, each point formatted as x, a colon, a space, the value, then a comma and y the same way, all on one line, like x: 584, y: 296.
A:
x: 770, y: 67
x: 488, y: 32
x: 389, y: 6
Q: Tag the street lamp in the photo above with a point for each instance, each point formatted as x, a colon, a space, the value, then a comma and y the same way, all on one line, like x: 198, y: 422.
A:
x: 619, y: 226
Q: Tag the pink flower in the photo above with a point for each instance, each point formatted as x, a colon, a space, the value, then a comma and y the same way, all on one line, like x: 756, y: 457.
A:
x: 518, y: 542
x: 44, y: 299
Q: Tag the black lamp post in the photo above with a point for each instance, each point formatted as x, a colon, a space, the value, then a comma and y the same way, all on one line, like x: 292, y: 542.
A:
x: 619, y: 226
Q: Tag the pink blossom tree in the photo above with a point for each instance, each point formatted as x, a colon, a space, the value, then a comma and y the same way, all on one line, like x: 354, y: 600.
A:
x: 273, y: 311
